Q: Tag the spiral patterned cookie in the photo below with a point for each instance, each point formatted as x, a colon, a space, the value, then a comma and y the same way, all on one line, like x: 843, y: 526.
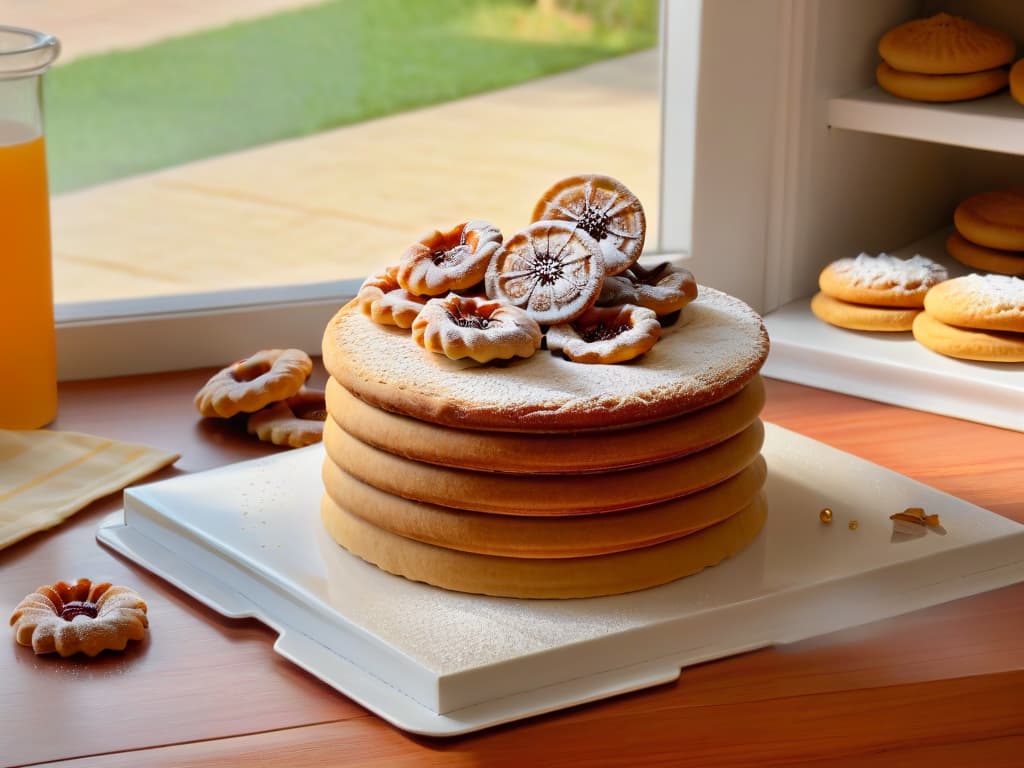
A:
x: 552, y: 270
x: 605, y: 209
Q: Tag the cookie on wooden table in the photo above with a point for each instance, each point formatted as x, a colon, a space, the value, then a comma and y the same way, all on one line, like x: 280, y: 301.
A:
x: 945, y: 45
x: 985, y: 259
x: 994, y: 219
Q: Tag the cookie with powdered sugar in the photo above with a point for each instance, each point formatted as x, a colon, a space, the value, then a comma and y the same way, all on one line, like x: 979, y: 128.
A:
x: 882, y: 280
x: 986, y: 302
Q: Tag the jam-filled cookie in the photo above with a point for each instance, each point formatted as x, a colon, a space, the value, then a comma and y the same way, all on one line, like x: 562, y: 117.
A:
x: 665, y: 288
x: 606, y: 334
x: 80, y: 617
x: 384, y: 301
x: 441, y: 262
x: 479, y: 329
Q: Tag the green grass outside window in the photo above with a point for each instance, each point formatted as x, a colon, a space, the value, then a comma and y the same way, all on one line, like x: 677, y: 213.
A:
x: 312, y: 69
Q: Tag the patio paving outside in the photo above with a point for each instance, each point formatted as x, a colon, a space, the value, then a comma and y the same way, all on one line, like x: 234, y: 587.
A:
x: 99, y: 26
x: 344, y: 203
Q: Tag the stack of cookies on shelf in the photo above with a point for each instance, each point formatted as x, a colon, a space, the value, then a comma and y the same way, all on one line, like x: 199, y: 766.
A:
x: 533, y: 433
x: 989, y: 234
x: 1017, y: 82
x: 944, y: 58
x: 875, y: 293
x: 976, y: 317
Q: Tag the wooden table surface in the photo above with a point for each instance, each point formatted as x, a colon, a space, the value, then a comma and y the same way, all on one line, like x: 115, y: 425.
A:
x: 941, y: 686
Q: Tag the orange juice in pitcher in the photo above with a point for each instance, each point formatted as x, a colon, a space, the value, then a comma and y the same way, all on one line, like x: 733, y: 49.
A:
x: 28, y: 367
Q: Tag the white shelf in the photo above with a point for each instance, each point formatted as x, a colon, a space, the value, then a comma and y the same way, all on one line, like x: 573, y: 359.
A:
x: 994, y: 123
x: 893, y: 367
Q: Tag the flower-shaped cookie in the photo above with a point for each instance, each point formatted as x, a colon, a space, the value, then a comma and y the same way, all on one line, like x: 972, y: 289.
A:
x: 607, y: 334
x: 79, y: 618
x: 295, y: 422
x: 255, y: 382
x: 552, y: 269
x: 605, y: 209
x: 480, y: 329
x: 384, y: 301
x: 449, y: 261
x: 663, y: 288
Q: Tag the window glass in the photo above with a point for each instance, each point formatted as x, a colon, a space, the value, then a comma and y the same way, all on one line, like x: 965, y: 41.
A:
x: 218, y: 144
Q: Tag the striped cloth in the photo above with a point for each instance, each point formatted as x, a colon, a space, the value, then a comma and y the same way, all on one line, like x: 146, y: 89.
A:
x: 46, y: 476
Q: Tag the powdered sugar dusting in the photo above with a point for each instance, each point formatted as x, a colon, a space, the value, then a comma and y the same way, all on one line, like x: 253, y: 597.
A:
x: 1000, y: 293
x: 889, y: 272
x: 717, y: 345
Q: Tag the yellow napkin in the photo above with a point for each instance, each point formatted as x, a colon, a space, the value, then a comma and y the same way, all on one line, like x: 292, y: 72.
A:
x: 47, y: 476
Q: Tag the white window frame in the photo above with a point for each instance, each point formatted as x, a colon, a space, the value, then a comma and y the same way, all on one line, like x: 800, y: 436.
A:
x: 146, y: 335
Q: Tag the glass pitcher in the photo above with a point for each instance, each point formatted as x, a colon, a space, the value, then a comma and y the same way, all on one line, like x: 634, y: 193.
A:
x: 28, y: 360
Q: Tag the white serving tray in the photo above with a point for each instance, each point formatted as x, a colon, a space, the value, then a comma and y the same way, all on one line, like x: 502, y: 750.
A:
x: 246, y: 540
x: 893, y: 367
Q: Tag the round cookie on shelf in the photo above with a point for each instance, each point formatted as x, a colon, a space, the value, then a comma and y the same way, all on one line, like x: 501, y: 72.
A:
x: 994, y: 219
x: 882, y: 280
x: 976, y: 317
x: 940, y: 88
x: 861, y: 317
x: 968, y: 343
x: 986, y: 302
x: 1017, y: 81
x: 985, y: 259
x: 944, y: 44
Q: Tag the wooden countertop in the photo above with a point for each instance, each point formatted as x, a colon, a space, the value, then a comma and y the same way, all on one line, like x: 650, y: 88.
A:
x: 941, y: 686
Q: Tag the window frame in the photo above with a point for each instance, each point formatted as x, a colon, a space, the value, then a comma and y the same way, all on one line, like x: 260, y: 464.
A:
x: 151, y: 334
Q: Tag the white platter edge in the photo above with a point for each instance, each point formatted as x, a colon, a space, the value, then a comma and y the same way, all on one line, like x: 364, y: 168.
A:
x: 396, y: 688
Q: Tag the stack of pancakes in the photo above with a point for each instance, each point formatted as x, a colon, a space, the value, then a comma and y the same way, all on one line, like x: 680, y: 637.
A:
x: 542, y: 477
